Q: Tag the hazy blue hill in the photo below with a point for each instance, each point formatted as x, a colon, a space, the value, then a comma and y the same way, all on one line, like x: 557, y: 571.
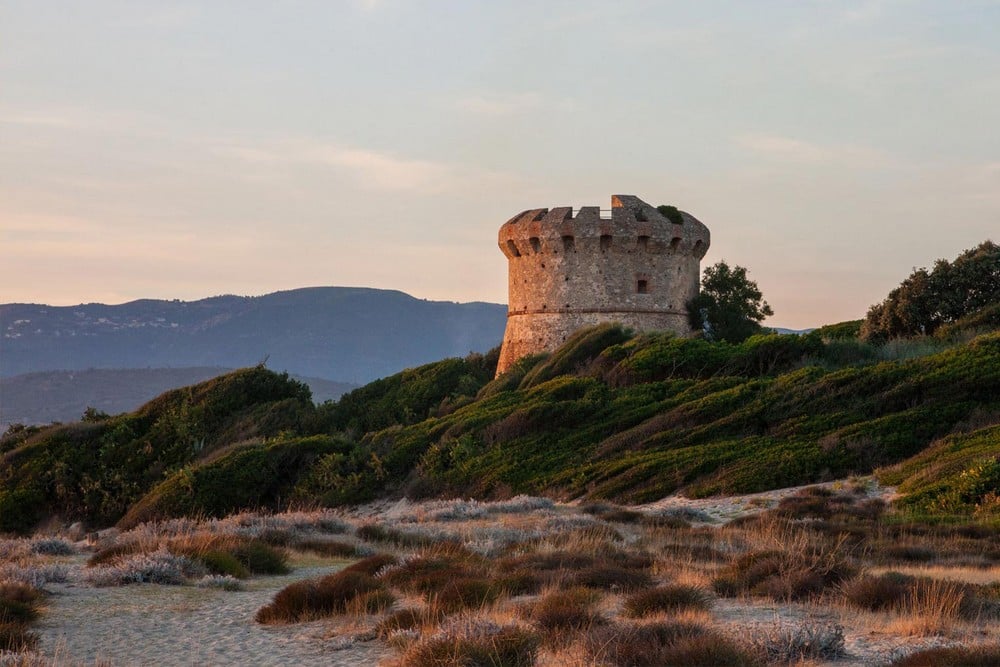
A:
x: 51, y: 396
x: 346, y: 334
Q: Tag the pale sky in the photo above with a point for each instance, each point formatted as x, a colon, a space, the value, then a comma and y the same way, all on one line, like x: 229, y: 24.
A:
x: 189, y: 149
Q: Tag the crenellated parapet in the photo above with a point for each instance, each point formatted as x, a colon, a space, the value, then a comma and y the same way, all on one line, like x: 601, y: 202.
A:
x: 569, y: 270
x: 632, y: 226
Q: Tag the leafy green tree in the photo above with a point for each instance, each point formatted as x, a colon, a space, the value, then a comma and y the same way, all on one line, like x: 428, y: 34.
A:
x: 926, y: 300
x: 730, y: 306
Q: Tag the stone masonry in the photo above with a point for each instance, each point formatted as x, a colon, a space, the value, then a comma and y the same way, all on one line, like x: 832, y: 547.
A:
x: 566, y: 272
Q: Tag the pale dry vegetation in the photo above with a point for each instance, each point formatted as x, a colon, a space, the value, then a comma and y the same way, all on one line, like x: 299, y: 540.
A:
x: 523, y: 582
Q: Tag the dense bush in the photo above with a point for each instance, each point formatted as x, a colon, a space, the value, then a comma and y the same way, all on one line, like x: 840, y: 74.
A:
x: 243, y: 476
x: 951, y: 291
x: 411, y: 396
x: 95, y: 470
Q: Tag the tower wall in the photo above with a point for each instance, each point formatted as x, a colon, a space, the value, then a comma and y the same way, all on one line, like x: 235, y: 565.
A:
x: 566, y: 272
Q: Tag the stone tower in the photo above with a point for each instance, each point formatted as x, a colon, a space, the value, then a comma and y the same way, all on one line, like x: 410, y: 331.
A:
x: 566, y: 272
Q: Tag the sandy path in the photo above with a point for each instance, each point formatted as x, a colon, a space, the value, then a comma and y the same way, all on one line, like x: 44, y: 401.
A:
x: 721, y: 509
x: 184, y: 625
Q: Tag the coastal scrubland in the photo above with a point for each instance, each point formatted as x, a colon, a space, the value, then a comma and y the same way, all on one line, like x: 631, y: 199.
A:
x: 610, y: 416
x: 641, y: 499
x: 824, y: 574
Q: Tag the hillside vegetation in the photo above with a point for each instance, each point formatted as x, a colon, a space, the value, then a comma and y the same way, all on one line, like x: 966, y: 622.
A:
x: 95, y: 470
x: 611, y: 415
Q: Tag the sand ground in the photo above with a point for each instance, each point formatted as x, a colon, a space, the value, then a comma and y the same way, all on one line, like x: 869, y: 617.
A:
x: 183, y: 625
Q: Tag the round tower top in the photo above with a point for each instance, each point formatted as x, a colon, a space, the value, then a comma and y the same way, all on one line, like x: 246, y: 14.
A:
x: 630, y: 217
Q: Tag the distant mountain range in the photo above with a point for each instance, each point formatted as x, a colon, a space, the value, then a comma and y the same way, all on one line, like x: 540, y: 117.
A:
x: 56, y: 361
x: 62, y: 396
x: 344, y: 334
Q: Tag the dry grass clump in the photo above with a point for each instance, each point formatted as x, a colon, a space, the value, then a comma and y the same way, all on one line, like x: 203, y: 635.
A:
x: 373, y: 564
x: 825, y: 510
x: 116, y: 550
x: 432, y: 569
x: 932, y: 607
x: 372, y: 602
x: 612, y: 513
x: 793, y: 565
x: 779, y: 575
x: 316, y: 598
x: 611, y: 578
x: 465, y: 593
x: 985, y: 655
x: 609, y: 568
x: 475, y: 642
x: 667, y: 599
x: 785, y: 644
x: 326, y: 547
x: 562, y: 611
x: 663, y: 644
x: 18, y: 609
x: 922, y: 606
x: 910, y: 553
x: 408, y: 619
x: 18, y: 603
x: 878, y: 593
x: 375, y: 532
x: 16, y: 637
x: 910, y: 542
x: 450, y: 577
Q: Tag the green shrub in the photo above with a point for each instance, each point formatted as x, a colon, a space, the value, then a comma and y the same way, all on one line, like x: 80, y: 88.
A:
x: 225, y: 563
x: 261, y: 558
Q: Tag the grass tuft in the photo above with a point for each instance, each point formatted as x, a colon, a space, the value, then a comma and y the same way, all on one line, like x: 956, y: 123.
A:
x: 666, y: 599
x: 664, y: 643
x: 475, y: 642
x: 317, y: 598
x: 987, y: 655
